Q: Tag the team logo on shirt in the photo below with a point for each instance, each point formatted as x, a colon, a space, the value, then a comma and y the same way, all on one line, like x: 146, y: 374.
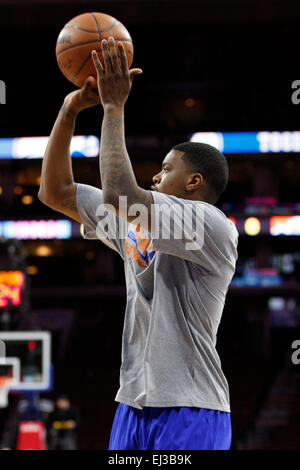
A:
x: 139, y: 247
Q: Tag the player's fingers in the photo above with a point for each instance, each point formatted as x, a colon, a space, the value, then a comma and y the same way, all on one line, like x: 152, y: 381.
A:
x: 93, y: 92
x: 92, y: 86
x: 87, y: 84
x: 86, y: 87
x: 93, y: 83
x: 89, y: 90
x: 97, y: 63
x: 123, y: 58
x: 105, y: 55
x: 113, y: 54
x: 133, y: 73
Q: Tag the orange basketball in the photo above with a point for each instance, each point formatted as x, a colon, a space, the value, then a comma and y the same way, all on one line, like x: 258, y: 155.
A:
x: 80, y: 36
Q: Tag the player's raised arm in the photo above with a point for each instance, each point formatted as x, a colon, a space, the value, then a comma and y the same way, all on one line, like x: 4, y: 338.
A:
x: 57, y: 188
x: 117, y: 177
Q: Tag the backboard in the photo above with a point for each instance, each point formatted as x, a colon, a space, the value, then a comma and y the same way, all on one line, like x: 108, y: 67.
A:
x: 33, y: 350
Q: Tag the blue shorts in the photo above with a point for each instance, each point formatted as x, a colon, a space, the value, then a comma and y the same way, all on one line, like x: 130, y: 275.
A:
x: 178, y: 428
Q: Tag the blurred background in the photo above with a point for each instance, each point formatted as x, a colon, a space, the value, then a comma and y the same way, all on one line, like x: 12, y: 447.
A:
x: 221, y: 67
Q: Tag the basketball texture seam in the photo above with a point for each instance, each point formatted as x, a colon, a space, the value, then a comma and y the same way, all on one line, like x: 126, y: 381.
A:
x: 83, y: 65
x: 75, y: 26
x: 97, y: 26
x: 89, y: 42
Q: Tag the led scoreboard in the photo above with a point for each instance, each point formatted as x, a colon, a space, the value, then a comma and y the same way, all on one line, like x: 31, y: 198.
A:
x: 12, y: 287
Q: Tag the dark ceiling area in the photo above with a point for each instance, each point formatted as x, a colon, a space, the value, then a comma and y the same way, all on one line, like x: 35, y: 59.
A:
x: 237, y: 60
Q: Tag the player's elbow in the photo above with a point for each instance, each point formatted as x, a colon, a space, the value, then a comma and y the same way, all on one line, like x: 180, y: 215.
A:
x: 46, y: 199
x: 41, y: 196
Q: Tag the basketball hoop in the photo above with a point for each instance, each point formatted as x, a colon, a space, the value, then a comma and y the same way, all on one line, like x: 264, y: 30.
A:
x: 4, y: 387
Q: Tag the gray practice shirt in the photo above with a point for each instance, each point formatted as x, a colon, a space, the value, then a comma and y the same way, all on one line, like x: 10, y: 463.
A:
x: 175, y: 299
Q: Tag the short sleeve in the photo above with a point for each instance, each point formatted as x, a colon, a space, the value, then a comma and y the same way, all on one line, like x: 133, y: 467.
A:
x: 193, y: 230
x: 99, y: 223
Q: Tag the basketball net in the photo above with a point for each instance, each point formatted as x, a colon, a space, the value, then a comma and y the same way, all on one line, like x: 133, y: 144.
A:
x: 4, y: 387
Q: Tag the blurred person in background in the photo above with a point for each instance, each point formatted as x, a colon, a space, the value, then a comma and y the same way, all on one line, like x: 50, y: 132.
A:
x: 62, y: 425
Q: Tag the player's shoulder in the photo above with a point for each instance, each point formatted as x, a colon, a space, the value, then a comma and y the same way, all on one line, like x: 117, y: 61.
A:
x: 210, y: 213
x: 213, y: 211
x: 217, y: 224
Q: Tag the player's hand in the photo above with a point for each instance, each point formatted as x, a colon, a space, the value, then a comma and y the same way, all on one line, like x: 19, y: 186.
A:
x: 114, y: 79
x: 84, y: 98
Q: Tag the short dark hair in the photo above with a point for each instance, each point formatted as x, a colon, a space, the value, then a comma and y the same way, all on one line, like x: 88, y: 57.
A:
x: 62, y: 396
x: 208, y: 161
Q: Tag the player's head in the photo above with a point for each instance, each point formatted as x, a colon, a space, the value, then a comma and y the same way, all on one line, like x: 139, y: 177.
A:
x: 193, y: 170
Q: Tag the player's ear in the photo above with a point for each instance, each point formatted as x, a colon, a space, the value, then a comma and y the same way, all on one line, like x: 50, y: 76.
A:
x: 195, y: 180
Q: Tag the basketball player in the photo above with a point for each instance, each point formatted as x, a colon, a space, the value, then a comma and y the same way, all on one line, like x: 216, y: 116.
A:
x: 173, y: 394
